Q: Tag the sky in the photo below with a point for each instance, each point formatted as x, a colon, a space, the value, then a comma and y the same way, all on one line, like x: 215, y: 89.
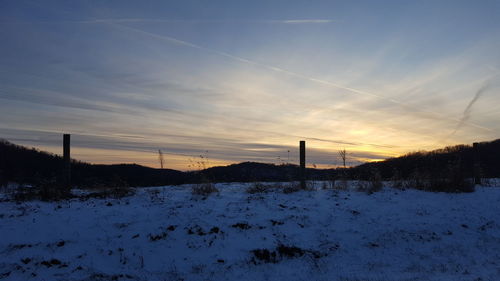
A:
x: 224, y: 82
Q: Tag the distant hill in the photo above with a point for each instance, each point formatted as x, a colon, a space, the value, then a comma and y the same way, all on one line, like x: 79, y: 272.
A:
x: 29, y: 165
x: 437, y: 162
x: 24, y: 165
x: 125, y: 174
x: 252, y: 171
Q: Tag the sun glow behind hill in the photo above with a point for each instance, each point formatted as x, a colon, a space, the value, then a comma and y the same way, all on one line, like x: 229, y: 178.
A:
x: 319, y: 155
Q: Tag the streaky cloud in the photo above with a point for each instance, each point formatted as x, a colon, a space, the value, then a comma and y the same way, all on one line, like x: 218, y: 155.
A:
x: 189, y: 21
x: 351, y: 143
x: 436, y: 115
x: 468, y: 109
x: 229, y: 150
x: 308, y: 21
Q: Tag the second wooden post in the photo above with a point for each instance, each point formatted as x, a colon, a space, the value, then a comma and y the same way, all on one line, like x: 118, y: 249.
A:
x: 302, y: 172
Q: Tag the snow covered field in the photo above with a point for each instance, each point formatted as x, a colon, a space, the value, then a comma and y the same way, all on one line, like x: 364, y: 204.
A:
x: 167, y: 234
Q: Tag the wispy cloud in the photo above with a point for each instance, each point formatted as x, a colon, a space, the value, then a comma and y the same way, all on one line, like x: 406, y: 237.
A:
x: 307, y: 21
x: 188, y: 21
x: 228, y: 151
x: 433, y: 114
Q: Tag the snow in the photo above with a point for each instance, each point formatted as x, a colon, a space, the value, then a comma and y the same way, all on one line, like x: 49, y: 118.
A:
x: 167, y: 233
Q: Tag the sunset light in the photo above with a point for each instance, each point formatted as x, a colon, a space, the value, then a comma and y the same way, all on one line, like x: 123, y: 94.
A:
x: 246, y: 85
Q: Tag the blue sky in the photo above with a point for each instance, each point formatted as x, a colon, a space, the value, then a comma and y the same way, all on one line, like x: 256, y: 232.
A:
x: 246, y: 80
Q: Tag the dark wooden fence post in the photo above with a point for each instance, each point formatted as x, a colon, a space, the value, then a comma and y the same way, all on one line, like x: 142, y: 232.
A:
x: 67, y: 161
x: 477, y: 167
x: 303, y: 164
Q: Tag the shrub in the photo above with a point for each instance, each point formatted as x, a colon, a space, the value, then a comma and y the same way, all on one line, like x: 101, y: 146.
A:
x: 396, y: 179
x: 488, y: 182
x: 331, y: 182
x: 111, y: 192
x: 3, y: 180
x: 25, y: 193
x: 374, y: 183
x: 116, y: 187
x: 343, y: 184
x: 258, y: 187
x: 294, y: 187
x: 291, y: 188
x: 45, y: 190
x: 325, y: 185
x: 453, y: 180
x: 417, y: 180
x: 450, y: 179
x: 204, y: 189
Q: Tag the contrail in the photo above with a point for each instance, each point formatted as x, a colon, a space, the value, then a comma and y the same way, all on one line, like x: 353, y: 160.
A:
x: 347, y: 143
x: 306, y: 21
x: 194, y: 21
x: 468, y: 110
x: 133, y: 20
x: 273, y: 68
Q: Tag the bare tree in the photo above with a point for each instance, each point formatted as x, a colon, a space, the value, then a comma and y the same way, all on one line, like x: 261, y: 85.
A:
x: 160, y: 157
x: 342, y: 154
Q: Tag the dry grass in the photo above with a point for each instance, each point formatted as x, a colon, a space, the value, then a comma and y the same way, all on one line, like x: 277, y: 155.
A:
x: 204, y: 189
x: 259, y: 187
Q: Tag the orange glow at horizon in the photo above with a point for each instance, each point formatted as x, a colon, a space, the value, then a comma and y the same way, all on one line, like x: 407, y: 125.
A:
x: 196, y: 162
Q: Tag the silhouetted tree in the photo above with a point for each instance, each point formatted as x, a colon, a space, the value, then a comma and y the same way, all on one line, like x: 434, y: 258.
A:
x: 342, y: 154
x: 160, y: 157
